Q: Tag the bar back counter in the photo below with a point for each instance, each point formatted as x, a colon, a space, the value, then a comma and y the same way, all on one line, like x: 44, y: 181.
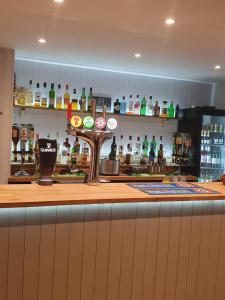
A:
x: 110, y: 242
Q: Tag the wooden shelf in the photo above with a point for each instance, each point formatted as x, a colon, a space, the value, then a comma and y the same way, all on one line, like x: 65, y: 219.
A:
x: 24, y: 107
x: 119, y: 178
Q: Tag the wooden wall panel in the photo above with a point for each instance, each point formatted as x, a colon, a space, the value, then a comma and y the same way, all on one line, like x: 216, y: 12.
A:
x: 138, y: 251
x: 31, y: 253
x: 76, y: 252
x: 102, y: 252
x: 61, y: 252
x: 47, y: 253
x: 4, y: 251
x: 115, y: 252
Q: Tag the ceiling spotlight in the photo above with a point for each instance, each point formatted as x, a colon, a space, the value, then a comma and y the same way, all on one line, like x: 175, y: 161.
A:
x: 42, y: 41
x: 170, y: 21
x: 59, y: 1
x: 138, y: 55
x: 217, y: 67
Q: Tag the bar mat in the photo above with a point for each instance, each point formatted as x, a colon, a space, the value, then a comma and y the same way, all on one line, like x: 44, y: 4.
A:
x: 179, y: 188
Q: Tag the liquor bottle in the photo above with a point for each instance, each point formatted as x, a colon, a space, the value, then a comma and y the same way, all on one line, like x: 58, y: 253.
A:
x: 130, y: 106
x: 83, y: 99
x: 121, y: 149
x: 30, y: 138
x: 116, y: 107
x: 112, y: 154
x: 66, y: 97
x: 137, y: 106
x: 123, y: 106
x: 129, y: 151
x: 174, y: 152
x: 221, y: 135
x: 151, y: 156
x: 153, y: 143
x: 137, y: 150
x: 130, y: 146
x: 64, y: 153
x: 74, y: 100
x: 29, y: 94
x: 150, y: 107
x: 84, y: 154
x: 44, y: 98
x: 177, y: 111
x: 171, y: 111
x: 36, y: 154
x: 90, y: 97
x: 68, y: 155
x: 37, y: 96
x: 164, y: 110
x: 75, y: 153
x: 160, y: 155
x: 215, y: 136
x: 145, y: 144
x: 15, y: 139
x: 51, y: 97
x: 143, y: 106
x: 59, y: 97
x: 156, y: 109
x: 58, y: 158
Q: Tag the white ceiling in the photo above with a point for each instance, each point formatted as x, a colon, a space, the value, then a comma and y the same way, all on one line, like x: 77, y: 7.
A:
x: 107, y: 33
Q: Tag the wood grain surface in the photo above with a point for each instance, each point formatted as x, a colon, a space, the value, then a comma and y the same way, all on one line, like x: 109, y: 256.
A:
x: 68, y: 194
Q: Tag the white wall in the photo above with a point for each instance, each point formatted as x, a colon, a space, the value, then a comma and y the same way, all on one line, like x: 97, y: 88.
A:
x: 6, y: 105
x: 114, y: 85
x: 219, y: 94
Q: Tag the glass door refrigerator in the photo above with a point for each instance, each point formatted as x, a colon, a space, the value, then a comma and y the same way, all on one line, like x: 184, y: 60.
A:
x: 207, y: 156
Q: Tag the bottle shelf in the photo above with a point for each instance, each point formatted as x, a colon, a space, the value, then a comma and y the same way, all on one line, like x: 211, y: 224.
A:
x: 24, y: 107
x: 214, y: 168
x: 212, y: 145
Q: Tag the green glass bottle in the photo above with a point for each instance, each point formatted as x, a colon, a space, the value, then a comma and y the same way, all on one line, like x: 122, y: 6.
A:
x: 145, y: 144
x: 143, y: 107
x: 84, y: 99
x: 90, y: 96
x: 52, y: 97
x: 171, y: 111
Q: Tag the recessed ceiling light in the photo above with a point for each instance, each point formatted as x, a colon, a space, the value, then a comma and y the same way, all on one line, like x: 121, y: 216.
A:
x: 217, y: 67
x: 170, y: 21
x: 59, y: 1
x: 138, y: 55
x: 42, y: 40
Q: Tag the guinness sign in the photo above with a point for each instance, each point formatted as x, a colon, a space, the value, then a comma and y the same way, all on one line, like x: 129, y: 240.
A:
x: 47, y: 155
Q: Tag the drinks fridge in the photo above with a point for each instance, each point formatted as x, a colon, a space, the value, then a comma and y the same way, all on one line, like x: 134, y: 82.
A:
x: 206, y: 125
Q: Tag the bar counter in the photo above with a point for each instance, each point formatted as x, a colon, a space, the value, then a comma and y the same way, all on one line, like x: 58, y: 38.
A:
x: 74, y: 241
x: 74, y: 194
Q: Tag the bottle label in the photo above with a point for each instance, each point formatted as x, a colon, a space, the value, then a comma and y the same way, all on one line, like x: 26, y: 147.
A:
x: 131, y: 106
x: 117, y: 107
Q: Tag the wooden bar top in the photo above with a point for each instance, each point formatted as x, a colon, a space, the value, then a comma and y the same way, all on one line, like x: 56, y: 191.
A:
x: 15, y: 195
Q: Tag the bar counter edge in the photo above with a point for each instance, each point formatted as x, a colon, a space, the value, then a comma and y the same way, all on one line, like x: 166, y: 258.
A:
x: 81, y: 194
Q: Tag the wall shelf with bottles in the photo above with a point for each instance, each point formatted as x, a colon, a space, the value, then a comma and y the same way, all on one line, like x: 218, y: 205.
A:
x: 24, y: 107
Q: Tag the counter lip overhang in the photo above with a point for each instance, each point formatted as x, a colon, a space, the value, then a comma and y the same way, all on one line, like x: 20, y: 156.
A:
x: 13, y: 196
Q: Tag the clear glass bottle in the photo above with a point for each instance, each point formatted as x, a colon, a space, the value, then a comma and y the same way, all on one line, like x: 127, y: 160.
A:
x: 29, y: 94
x: 59, y: 97
x: 44, y: 98
x: 123, y: 106
x: 66, y: 97
x: 130, y: 107
x: 37, y: 96
x: 137, y: 106
x: 75, y: 101
x: 150, y: 107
